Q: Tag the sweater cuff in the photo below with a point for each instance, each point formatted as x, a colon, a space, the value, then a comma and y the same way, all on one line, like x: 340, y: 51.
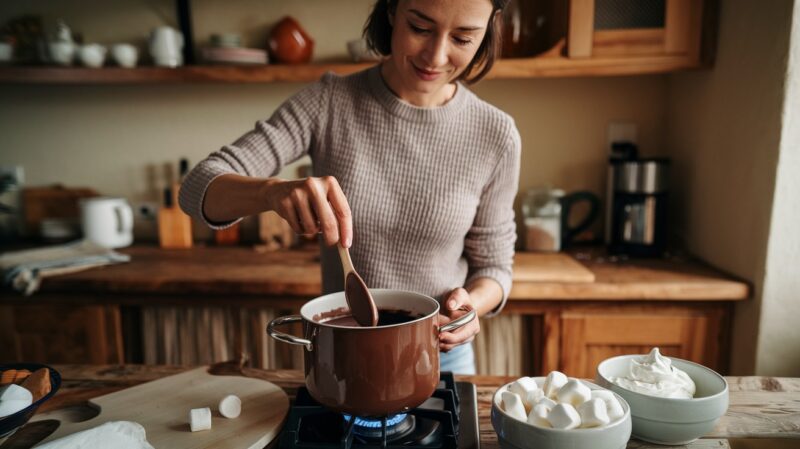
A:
x: 502, y: 277
x: 193, y: 194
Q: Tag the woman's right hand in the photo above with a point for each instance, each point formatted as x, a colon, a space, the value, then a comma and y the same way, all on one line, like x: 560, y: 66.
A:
x: 312, y: 206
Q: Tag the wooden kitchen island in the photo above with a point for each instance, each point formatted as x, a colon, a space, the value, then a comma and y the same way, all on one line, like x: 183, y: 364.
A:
x: 551, y: 321
x: 760, y: 407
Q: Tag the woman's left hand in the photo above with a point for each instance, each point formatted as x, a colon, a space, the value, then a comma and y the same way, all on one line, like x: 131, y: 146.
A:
x: 457, y: 299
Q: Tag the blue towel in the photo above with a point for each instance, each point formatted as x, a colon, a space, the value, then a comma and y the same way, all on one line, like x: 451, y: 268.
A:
x: 24, y: 270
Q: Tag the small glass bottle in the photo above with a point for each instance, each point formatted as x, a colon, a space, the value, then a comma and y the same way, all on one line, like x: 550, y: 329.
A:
x: 541, y: 210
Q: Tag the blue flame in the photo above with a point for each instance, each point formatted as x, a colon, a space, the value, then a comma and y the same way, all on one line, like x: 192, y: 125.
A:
x: 377, y: 423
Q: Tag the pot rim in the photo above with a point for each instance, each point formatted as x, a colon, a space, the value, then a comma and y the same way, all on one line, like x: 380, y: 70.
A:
x: 379, y: 291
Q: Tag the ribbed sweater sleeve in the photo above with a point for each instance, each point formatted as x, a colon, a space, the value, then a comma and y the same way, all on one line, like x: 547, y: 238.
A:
x: 486, y: 245
x: 273, y: 143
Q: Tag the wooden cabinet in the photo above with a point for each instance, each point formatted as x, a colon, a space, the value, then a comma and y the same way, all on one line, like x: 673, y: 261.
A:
x: 589, y: 335
x: 60, y: 334
x: 631, y: 28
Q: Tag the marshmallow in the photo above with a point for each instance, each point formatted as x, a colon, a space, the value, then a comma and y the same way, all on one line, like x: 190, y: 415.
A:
x: 593, y: 413
x: 11, y: 406
x: 564, y: 416
x: 230, y: 406
x: 13, y: 392
x: 528, y: 391
x: 549, y: 403
x: 574, y: 392
x: 200, y: 419
x: 512, y: 404
x: 533, y: 398
x: 538, y: 416
x: 555, y: 380
x: 613, y: 407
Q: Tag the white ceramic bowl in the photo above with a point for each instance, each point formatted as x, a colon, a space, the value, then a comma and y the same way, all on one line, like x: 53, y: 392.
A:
x: 515, y: 434
x: 670, y: 421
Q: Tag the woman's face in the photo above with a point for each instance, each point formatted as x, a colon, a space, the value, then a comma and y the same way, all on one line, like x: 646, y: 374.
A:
x: 433, y: 41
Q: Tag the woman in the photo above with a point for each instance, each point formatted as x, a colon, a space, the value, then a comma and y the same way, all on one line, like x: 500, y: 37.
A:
x: 412, y: 169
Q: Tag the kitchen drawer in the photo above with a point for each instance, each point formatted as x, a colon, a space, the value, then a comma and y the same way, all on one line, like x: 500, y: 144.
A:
x: 589, y: 337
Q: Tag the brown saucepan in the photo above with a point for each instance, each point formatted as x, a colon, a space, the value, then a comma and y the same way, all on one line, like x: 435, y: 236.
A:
x: 370, y: 371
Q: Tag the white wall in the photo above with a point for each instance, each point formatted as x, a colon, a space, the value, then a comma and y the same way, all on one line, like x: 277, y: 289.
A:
x: 724, y: 134
x: 779, y: 339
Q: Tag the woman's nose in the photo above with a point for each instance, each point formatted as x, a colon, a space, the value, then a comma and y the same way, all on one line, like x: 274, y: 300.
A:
x: 436, y: 52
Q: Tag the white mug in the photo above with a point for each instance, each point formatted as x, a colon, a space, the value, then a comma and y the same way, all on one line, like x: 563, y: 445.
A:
x: 107, y: 221
x: 125, y: 55
x: 166, y: 46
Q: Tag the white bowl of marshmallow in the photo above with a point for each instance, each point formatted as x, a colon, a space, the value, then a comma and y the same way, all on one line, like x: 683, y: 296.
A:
x: 673, y: 401
x: 559, y: 412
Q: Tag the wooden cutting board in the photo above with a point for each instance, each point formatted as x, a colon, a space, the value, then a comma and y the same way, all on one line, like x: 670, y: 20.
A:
x: 162, y: 408
x: 549, y: 267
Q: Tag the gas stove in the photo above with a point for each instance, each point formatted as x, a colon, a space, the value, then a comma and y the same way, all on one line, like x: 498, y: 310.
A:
x: 448, y: 419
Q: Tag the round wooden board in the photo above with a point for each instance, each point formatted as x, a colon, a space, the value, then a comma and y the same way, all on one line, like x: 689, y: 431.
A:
x: 162, y: 408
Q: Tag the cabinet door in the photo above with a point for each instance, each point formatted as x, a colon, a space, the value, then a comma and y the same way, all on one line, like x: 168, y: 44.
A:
x: 609, y: 28
x: 588, y: 338
x: 61, y: 334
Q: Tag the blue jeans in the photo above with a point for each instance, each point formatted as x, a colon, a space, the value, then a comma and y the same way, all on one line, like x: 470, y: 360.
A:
x: 460, y: 360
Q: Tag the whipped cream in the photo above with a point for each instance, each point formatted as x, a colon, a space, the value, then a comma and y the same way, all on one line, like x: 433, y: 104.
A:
x: 654, y: 375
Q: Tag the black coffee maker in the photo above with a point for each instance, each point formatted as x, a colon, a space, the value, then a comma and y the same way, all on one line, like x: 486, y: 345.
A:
x: 636, y: 210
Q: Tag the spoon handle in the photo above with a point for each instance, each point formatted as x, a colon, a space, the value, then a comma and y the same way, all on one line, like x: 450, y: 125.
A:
x: 347, y: 264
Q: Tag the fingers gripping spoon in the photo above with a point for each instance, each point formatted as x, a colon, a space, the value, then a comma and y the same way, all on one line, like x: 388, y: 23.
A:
x: 360, y: 301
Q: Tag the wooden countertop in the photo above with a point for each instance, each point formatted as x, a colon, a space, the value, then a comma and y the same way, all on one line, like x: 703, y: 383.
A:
x: 760, y: 407
x: 243, y: 272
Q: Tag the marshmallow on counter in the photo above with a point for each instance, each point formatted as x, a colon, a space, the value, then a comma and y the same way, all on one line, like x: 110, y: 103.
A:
x: 230, y: 406
x: 593, y: 413
x: 528, y: 390
x: 512, y: 404
x: 564, y: 416
x: 574, y: 392
x: 538, y: 416
x: 200, y: 419
x: 554, y: 381
x: 613, y: 407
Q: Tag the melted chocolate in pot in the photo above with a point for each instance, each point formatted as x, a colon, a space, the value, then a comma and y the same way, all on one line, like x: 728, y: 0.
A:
x: 386, y: 317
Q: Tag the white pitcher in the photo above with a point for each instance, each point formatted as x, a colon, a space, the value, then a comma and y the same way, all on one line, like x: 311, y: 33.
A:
x: 166, y: 46
x: 107, y: 221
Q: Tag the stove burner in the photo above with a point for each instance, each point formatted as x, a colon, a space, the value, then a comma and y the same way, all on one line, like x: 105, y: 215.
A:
x: 448, y: 419
x: 397, y: 426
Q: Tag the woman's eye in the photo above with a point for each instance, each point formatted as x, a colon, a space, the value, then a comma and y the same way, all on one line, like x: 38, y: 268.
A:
x: 417, y: 29
x: 462, y: 42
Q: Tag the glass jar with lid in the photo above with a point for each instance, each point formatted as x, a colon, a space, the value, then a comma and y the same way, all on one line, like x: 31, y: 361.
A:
x: 541, y: 210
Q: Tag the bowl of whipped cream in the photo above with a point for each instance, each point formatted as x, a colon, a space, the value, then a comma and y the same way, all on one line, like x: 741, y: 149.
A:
x: 558, y: 412
x: 672, y: 401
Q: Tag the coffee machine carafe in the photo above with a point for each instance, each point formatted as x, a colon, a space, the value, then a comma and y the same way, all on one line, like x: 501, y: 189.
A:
x: 636, y: 213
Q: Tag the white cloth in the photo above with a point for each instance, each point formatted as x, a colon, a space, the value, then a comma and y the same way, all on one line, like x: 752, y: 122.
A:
x: 114, y: 434
x: 24, y: 270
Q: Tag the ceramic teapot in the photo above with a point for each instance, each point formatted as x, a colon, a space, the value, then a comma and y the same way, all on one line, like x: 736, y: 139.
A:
x: 289, y: 43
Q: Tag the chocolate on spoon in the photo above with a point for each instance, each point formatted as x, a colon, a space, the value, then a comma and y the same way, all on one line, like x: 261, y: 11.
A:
x: 358, y: 297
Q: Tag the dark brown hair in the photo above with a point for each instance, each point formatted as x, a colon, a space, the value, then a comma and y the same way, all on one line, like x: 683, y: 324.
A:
x: 378, y: 33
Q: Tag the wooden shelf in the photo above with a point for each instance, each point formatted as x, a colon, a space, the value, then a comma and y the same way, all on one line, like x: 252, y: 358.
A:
x: 539, y: 67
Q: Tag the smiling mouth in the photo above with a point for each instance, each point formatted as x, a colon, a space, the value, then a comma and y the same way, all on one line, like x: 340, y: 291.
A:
x: 426, y: 75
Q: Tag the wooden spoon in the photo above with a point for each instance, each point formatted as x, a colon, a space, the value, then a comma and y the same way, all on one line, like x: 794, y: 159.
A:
x: 358, y: 297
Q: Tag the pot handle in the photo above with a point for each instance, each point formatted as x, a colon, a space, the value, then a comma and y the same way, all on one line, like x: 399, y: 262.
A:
x: 286, y: 338
x: 458, y: 322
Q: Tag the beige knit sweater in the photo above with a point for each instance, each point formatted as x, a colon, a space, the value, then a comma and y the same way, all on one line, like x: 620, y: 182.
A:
x: 431, y: 189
